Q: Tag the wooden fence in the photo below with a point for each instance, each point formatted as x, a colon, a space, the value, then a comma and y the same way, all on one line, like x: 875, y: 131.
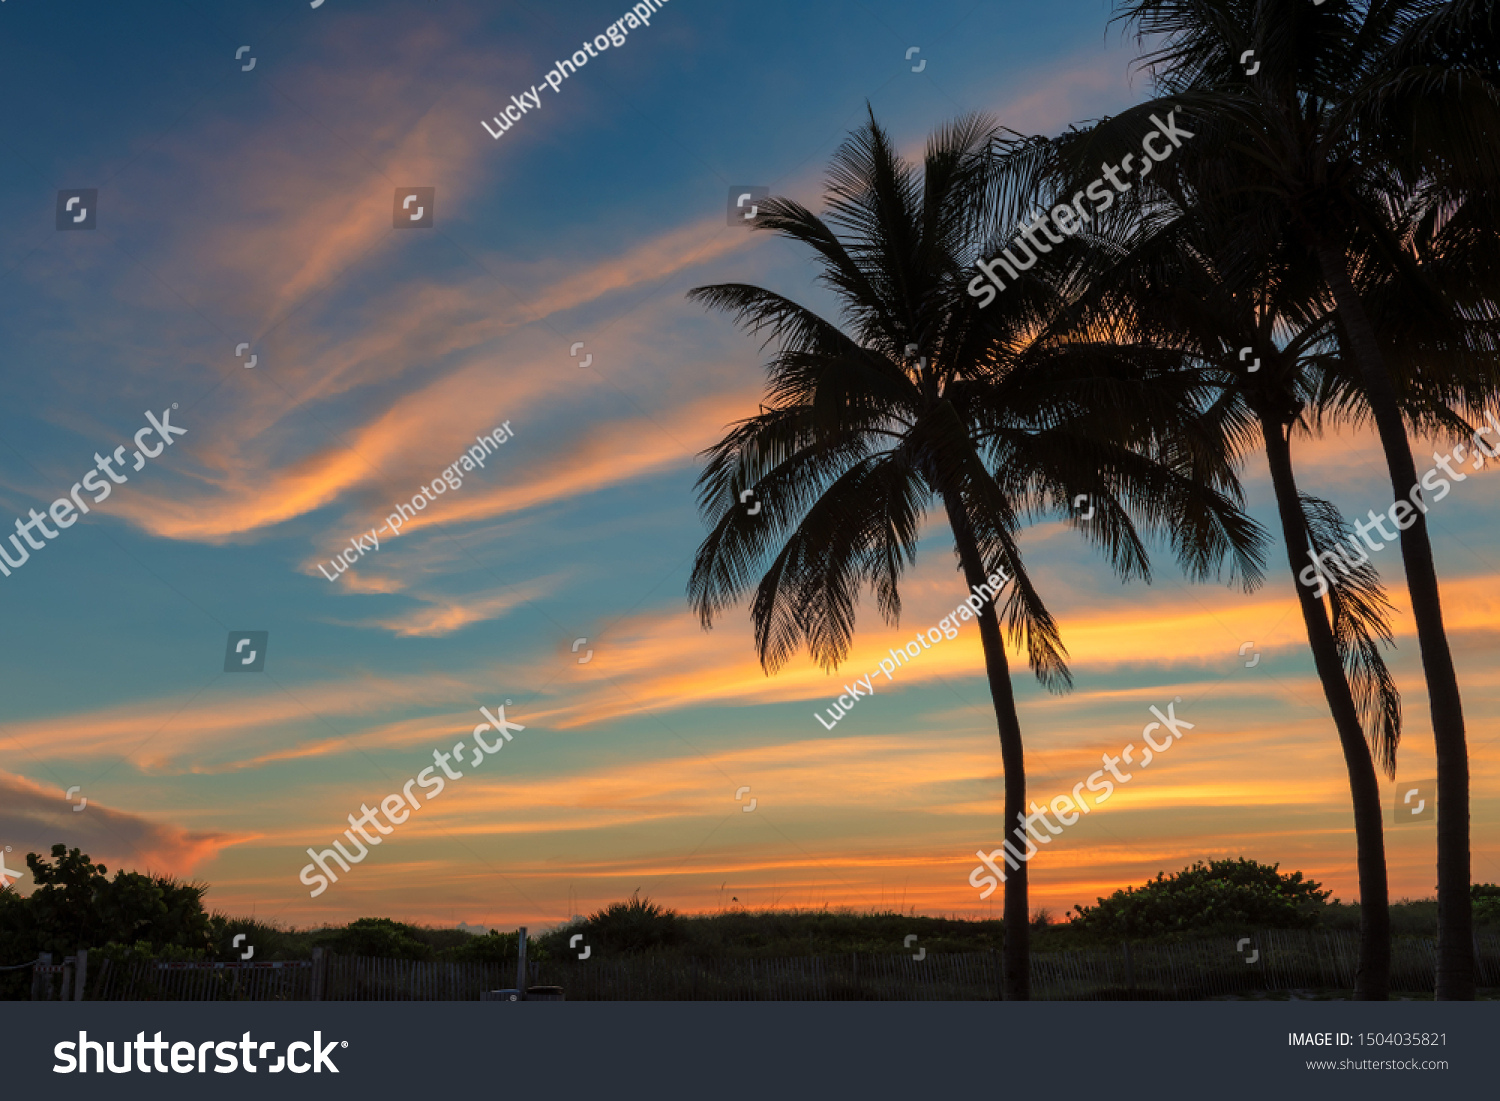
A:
x: 1276, y: 960
x: 1269, y: 961
x: 146, y: 980
x: 356, y: 979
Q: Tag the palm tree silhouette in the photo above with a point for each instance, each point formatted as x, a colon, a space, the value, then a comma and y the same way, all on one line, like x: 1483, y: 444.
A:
x: 1160, y: 284
x: 1356, y: 107
x: 922, y: 398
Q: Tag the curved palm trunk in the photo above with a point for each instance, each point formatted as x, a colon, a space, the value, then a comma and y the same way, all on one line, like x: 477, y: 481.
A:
x: 1372, y: 981
x: 1455, y: 967
x: 1016, y: 950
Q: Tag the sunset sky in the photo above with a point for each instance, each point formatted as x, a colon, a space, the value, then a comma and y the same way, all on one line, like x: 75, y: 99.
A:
x: 256, y: 206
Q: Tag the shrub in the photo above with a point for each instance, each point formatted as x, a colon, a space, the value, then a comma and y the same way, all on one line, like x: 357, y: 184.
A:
x: 1213, y: 897
x: 381, y: 937
x: 1486, y: 898
x: 496, y: 947
x: 639, y: 925
x: 76, y: 905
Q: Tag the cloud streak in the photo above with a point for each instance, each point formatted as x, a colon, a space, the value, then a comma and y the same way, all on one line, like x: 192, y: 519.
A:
x: 113, y: 837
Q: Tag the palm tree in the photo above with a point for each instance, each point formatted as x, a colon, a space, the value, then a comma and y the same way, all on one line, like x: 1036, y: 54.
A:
x: 923, y: 398
x: 1159, y: 284
x: 1355, y: 106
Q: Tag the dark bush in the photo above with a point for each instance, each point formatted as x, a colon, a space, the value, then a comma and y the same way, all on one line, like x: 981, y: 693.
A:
x: 382, y: 937
x: 1486, y: 903
x: 76, y: 905
x: 1214, y: 897
x: 622, y: 928
x: 496, y: 947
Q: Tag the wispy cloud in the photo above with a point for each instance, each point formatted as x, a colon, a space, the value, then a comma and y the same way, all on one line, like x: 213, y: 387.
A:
x: 110, y: 836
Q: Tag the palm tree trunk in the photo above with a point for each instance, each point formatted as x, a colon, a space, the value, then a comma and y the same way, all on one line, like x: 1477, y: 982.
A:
x: 1372, y: 980
x: 1016, y: 948
x: 1455, y: 967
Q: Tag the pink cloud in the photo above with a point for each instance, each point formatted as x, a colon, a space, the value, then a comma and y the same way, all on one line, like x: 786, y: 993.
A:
x: 114, y: 837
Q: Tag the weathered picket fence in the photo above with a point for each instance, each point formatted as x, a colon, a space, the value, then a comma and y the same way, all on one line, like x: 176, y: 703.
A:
x: 326, y: 977
x: 1271, y: 961
x: 146, y: 980
x: 1277, y: 960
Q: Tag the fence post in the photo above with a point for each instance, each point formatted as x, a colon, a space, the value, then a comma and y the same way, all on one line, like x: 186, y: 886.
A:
x: 80, y: 975
x: 319, y: 974
x: 1129, y: 969
x: 37, y: 978
x: 521, y: 964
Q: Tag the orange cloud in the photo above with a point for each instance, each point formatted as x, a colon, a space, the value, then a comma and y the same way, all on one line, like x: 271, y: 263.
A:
x: 613, y: 453
x: 226, y: 722
x: 110, y: 836
x: 664, y: 661
x: 435, y: 621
